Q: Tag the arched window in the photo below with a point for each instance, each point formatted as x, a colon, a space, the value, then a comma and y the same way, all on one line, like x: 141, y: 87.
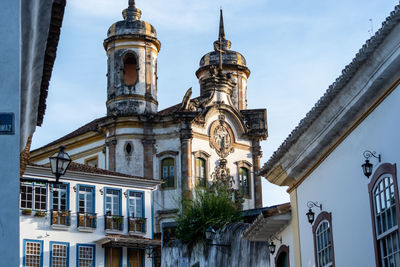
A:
x: 244, y: 181
x: 168, y: 172
x: 282, y: 257
x: 323, y: 241
x: 130, y: 70
x: 384, y: 199
x: 201, y: 172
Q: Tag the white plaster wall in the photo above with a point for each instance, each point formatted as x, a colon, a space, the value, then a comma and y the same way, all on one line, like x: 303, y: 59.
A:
x: 130, y: 164
x: 287, y: 239
x: 340, y: 185
x: 40, y: 229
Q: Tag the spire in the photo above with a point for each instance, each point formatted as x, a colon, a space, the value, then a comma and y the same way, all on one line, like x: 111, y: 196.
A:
x: 221, y: 26
x: 131, y: 13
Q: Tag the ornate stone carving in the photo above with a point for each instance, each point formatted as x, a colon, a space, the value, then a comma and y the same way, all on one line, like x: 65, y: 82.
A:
x: 222, y: 176
x: 221, y: 137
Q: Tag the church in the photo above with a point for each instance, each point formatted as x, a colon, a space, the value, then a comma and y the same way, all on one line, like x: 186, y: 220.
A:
x: 185, y: 146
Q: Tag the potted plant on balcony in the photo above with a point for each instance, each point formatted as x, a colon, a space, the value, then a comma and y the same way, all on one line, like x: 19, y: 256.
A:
x: 89, y: 216
x: 26, y: 212
x: 40, y: 213
x: 117, y: 219
x: 140, y: 220
x: 64, y: 213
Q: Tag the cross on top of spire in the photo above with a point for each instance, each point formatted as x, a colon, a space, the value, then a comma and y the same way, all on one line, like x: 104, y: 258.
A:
x: 131, y: 13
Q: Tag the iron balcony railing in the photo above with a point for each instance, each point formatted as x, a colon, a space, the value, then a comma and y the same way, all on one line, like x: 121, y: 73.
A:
x: 137, y: 224
x: 87, y: 219
x: 114, y: 222
x: 60, y: 217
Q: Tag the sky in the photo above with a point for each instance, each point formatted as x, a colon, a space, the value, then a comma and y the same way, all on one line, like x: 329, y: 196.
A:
x: 294, y: 50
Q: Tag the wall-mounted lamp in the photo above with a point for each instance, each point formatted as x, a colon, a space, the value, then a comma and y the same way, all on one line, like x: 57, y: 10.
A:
x: 152, y: 252
x: 101, y: 191
x: 272, y: 246
x: 310, y: 214
x: 367, y: 166
x: 126, y: 194
x: 74, y: 187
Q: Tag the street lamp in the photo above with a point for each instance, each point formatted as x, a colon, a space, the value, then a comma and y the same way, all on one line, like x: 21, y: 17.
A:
x: 59, y: 163
x: 310, y: 214
x: 367, y: 166
x: 210, y: 234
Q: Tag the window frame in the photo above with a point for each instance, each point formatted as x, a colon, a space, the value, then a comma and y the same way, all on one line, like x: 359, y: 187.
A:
x: 127, y: 202
x: 169, y: 171
x: 282, y: 249
x: 35, y: 184
x: 385, y: 168
x: 87, y: 160
x: 124, y: 57
x: 323, y: 217
x: 67, y: 197
x: 51, y: 243
x: 168, y: 154
x: 93, y: 196
x: 247, y: 165
x: 78, y: 245
x: 203, y: 155
x: 119, y: 200
x: 197, y: 177
x: 41, y: 250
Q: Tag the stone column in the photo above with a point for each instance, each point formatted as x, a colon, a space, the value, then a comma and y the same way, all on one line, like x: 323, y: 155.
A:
x: 257, y: 154
x: 186, y: 160
x: 148, y: 152
x: 111, y: 143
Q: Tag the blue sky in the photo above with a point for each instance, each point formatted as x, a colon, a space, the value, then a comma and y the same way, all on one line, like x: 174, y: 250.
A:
x: 294, y: 49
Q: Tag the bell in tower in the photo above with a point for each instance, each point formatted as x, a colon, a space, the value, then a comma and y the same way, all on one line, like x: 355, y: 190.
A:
x: 132, y: 49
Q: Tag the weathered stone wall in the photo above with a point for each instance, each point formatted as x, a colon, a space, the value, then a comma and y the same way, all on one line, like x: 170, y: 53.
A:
x: 240, y: 253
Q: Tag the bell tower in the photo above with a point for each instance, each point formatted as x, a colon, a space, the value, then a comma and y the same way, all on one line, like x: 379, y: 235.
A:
x: 132, y: 49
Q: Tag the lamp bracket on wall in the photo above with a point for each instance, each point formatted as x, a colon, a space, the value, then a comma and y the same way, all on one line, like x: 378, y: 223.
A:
x: 311, y: 204
x: 367, y: 154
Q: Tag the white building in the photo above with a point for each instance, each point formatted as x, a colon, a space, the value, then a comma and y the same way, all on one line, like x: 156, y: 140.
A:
x: 356, y: 217
x: 93, y: 218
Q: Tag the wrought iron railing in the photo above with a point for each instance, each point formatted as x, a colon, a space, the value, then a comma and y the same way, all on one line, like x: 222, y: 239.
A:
x: 87, y: 219
x: 114, y: 222
x: 137, y: 224
x: 60, y: 217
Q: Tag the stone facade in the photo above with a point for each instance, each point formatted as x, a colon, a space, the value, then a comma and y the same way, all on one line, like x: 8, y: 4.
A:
x: 183, y: 144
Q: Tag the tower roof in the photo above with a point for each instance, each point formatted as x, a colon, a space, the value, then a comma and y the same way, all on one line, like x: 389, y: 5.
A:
x: 131, y: 25
x: 229, y: 57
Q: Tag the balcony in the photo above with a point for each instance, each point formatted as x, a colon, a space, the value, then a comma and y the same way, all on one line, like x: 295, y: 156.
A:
x: 60, y: 219
x: 136, y: 225
x: 113, y: 223
x: 87, y: 222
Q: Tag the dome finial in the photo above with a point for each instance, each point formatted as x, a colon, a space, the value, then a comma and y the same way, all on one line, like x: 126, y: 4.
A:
x: 221, y: 25
x: 131, y: 13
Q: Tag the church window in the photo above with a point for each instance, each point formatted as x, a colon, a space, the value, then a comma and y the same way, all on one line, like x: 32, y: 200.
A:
x: 323, y: 241
x: 383, y: 192
x: 201, y: 172
x: 168, y: 173
x: 130, y: 70
x: 244, y: 181
x: 92, y: 162
x: 128, y: 148
x: 282, y: 257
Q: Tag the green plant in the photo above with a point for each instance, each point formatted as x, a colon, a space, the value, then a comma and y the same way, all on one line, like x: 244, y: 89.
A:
x: 26, y: 212
x: 40, y: 213
x: 64, y: 213
x: 210, y: 206
x: 140, y: 220
x: 117, y: 219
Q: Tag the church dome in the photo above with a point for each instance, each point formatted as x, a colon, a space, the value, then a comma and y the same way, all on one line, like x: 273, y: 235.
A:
x: 230, y: 59
x: 131, y: 25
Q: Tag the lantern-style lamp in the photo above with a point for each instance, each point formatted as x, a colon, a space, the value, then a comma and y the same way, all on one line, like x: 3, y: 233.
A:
x: 310, y: 216
x: 272, y: 247
x: 59, y: 163
x: 367, y: 166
